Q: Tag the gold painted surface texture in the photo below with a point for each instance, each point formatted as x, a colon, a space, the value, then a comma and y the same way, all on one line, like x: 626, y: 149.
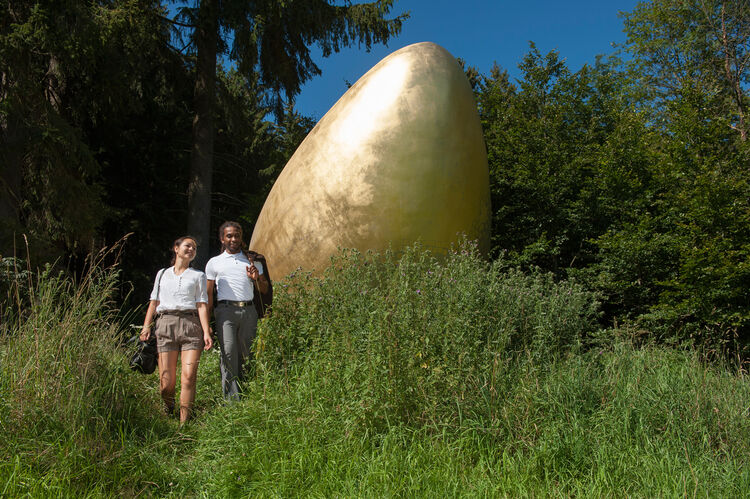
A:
x: 400, y: 157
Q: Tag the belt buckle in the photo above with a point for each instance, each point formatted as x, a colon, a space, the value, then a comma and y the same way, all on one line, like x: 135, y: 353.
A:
x: 237, y: 303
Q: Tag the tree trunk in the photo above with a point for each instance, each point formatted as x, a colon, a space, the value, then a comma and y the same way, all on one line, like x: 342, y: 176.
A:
x: 11, y: 170
x: 201, y: 156
x: 11, y: 174
x: 733, y: 77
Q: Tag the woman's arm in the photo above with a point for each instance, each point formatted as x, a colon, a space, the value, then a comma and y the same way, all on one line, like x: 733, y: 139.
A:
x: 203, y: 316
x: 149, y: 320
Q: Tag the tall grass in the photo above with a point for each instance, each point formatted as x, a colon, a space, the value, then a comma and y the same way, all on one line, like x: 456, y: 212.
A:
x: 458, y: 377
x: 618, y: 422
x: 418, y: 340
x: 387, y: 376
x: 71, y: 414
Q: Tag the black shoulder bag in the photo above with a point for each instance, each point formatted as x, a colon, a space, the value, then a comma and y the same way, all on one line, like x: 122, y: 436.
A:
x: 145, y: 358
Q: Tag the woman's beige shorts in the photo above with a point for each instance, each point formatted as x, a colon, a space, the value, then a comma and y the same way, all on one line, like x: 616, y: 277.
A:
x: 177, y: 331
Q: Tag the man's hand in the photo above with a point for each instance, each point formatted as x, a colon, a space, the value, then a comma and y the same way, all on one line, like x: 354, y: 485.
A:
x: 252, y: 271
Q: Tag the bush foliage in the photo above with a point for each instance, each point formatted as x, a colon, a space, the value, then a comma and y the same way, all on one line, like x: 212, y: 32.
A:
x: 413, y: 339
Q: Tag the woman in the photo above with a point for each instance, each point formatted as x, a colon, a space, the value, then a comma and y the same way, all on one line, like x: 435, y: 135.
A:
x: 180, y: 303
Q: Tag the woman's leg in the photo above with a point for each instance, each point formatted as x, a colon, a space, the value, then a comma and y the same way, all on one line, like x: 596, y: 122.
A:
x: 190, y: 360
x: 168, y: 378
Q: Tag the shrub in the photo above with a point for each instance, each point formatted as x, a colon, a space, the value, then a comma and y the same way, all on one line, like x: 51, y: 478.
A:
x: 415, y: 339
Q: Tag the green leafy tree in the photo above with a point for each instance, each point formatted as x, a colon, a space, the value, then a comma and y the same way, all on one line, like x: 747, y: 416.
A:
x: 568, y: 158
x: 44, y: 160
x: 245, y: 148
x: 678, y: 266
x: 85, y: 90
x: 691, y: 249
x: 702, y: 45
x: 288, y: 133
x: 93, y: 131
x: 250, y: 151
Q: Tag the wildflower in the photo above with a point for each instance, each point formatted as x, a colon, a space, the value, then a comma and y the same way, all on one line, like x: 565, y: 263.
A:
x: 419, y: 291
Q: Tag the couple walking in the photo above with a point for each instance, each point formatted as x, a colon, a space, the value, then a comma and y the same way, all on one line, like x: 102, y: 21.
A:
x: 182, y: 299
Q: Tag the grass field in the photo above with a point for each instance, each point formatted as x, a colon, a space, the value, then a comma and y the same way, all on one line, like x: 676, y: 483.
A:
x: 409, y: 377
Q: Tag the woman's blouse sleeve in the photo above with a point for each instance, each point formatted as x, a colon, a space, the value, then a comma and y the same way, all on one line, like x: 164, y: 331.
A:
x: 201, y: 295
x: 154, y: 290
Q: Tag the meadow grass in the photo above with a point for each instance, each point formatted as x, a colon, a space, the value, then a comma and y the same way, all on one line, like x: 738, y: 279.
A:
x: 623, y: 422
x: 409, y: 376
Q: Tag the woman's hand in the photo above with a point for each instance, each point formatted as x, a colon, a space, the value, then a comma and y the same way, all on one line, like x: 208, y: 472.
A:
x: 148, y: 321
x: 208, y: 342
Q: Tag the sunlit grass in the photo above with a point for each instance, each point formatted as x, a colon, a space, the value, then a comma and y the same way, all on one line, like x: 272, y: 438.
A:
x: 483, y: 383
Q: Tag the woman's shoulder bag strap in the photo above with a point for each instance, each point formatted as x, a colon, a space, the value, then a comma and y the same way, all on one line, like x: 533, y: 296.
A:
x: 158, y: 282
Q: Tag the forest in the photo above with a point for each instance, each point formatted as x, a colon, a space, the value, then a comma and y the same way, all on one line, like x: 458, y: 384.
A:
x: 620, y: 253
x: 629, y: 174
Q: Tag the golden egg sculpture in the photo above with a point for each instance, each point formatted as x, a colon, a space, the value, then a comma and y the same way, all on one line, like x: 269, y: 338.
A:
x: 399, y: 158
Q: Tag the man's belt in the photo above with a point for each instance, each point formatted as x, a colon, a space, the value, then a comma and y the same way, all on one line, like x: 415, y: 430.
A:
x: 236, y: 303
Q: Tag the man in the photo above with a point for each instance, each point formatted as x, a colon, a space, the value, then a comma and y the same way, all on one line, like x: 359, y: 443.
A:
x: 234, y: 277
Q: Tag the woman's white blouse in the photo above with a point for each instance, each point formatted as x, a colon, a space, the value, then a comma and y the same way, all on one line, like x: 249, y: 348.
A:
x: 179, y: 292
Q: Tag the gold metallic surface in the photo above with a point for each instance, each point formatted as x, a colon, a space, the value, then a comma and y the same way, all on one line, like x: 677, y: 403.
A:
x: 399, y: 158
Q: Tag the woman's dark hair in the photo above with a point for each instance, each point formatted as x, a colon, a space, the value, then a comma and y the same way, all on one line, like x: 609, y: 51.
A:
x: 178, y: 242
x: 225, y: 226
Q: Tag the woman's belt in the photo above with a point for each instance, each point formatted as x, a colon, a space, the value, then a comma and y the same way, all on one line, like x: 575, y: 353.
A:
x: 179, y: 313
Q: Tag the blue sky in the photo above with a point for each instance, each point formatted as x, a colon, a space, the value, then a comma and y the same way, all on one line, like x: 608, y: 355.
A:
x: 480, y: 32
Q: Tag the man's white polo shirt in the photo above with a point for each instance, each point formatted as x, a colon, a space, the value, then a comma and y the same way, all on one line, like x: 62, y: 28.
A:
x: 228, y: 270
